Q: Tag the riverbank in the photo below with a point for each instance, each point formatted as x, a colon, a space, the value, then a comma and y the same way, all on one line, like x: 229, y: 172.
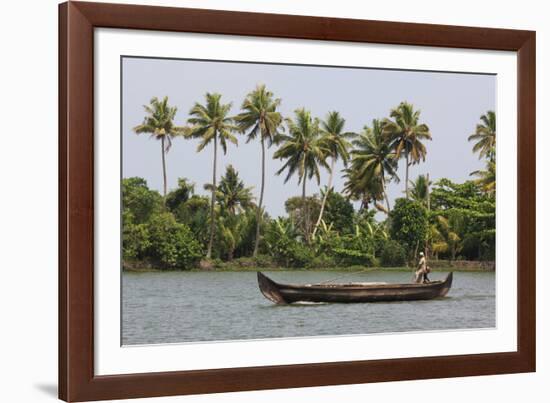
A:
x: 440, y: 266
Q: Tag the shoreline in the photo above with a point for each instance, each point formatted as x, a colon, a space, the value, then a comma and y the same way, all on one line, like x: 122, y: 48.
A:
x: 350, y: 269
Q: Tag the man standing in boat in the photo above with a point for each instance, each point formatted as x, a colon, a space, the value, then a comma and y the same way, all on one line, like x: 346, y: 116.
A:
x: 421, y: 275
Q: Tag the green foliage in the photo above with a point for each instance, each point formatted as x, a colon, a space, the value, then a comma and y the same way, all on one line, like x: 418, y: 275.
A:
x: 259, y: 115
x: 352, y: 257
x: 409, y: 225
x: 135, y: 241
x: 180, y: 195
x: 279, y: 238
x: 419, y: 189
x: 172, y: 245
x: 195, y: 214
x: 333, y: 138
x: 463, y: 220
x: 231, y: 230
x: 393, y: 254
x: 246, y: 246
x: 372, y: 161
x: 405, y: 134
x: 210, y: 122
x: 282, y: 242
x: 322, y: 261
x: 371, y: 232
x: 151, y: 233
x: 231, y: 194
x: 356, y: 248
x: 173, y: 230
x: 159, y: 121
x: 303, y: 212
x: 302, y: 149
x: 339, y: 212
x: 487, y: 178
x: 485, y: 136
x: 139, y: 203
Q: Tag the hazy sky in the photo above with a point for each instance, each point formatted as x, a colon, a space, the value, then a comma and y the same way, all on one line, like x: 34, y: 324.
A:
x: 451, y: 105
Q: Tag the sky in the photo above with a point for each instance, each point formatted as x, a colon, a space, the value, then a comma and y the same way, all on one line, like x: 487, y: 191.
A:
x: 450, y: 103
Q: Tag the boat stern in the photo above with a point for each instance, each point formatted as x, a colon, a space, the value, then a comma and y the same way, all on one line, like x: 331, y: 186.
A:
x: 446, y: 285
x: 270, y: 289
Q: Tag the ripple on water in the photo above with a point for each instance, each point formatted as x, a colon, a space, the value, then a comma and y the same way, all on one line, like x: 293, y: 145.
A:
x: 174, y: 307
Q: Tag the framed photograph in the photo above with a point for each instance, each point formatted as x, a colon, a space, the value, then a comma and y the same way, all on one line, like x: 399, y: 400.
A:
x: 257, y: 201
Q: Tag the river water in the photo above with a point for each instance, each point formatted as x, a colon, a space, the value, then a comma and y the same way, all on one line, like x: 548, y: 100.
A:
x: 175, y: 307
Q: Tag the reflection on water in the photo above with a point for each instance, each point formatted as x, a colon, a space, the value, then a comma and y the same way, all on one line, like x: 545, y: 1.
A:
x: 177, y: 307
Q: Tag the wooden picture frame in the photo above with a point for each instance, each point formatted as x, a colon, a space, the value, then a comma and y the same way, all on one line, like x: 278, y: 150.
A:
x: 77, y: 21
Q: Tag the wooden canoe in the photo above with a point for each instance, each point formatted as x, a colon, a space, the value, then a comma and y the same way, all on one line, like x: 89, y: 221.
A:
x: 352, y: 292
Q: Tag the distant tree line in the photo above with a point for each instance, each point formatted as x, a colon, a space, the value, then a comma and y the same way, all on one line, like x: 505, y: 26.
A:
x: 180, y: 228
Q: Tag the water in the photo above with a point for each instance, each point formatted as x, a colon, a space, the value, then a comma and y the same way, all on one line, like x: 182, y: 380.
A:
x: 176, y: 307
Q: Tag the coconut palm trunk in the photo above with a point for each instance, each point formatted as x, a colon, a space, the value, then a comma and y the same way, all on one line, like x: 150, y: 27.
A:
x: 259, y: 211
x: 305, y: 207
x: 323, y: 203
x: 407, y: 174
x: 385, y: 194
x: 213, y: 202
x: 163, y: 165
x: 231, y: 253
x: 405, y: 134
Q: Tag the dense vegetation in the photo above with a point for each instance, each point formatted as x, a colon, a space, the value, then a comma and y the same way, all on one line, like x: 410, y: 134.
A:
x: 182, y: 229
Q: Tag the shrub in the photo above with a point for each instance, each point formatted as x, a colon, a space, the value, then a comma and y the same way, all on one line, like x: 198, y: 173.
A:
x: 299, y: 255
x: 321, y: 261
x: 393, y: 254
x: 180, y: 195
x: 172, y: 244
x: 352, y: 257
x: 263, y: 261
x: 194, y: 213
x: 139, y: 201
x: 339, y: 212
x: 135, y: 241
x: 409, y: 224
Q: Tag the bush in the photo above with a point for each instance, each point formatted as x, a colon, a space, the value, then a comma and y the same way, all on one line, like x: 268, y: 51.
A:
x: 393, y: 254
x: 135, y: 241
x: 138, y: 201
x: 409, y: 224
x: 195, y: 214
x: 354, y: 257
x: 299, y: 255
x: 321, y: 262
x: 172, y: 244
x: 339, y: 211
x: 264, y: 261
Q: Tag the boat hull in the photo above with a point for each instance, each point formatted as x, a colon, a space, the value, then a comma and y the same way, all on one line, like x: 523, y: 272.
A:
x: 352, y: 293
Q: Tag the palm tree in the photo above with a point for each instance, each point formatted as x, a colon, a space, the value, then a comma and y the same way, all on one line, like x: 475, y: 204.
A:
x: 159, y: 123
x: 334, y: 140
x: 420, y: 189
x: 447, y: 230
x: 260, y: 118
x: 231, y: 194
x: 405, y: 135
x: 363, y: 189
x: 304, y: 154
x: 485, y: 136
x: 232, y: 231
x: 487, y: 178
x: 372, y: 159
x: 210, y: 123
